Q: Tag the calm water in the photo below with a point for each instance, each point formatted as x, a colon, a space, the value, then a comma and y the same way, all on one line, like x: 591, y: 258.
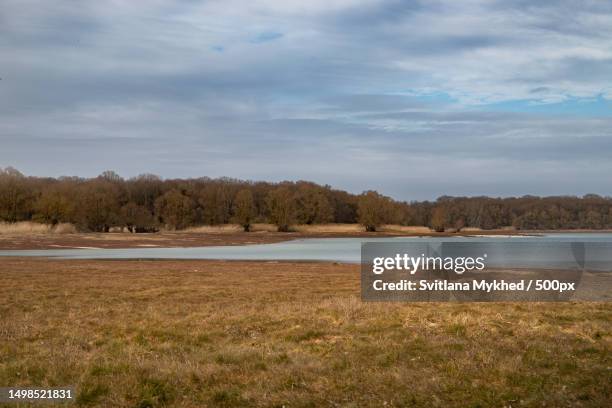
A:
x: 543, y: 250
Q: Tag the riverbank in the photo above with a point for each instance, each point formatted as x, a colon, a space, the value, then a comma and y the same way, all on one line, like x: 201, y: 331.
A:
x: 210, y: 333
x: 28, y: 238
x: 35, y: 236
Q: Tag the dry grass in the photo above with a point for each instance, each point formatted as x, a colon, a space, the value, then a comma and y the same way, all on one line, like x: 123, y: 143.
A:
x: 313, y: 229
x: 261, y: 227
x: 27, y: 235
x: 350, y: 229
x: 24, y: 228
x: 27, y: 227
x: 328, y: 228
x: 230, y: 228
x: 414, y: 229
x: 215, y: 229
x: 203, y: 333
x: 64, y: 228
x: 128, y: 240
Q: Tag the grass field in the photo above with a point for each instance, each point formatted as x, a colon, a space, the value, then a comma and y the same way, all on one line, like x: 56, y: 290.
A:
x: 205, y: 333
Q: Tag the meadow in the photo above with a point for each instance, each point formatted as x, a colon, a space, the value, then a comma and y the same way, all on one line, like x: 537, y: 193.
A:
x: 212, y: 333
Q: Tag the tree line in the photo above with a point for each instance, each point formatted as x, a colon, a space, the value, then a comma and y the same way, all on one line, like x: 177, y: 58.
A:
x: 148, y: 203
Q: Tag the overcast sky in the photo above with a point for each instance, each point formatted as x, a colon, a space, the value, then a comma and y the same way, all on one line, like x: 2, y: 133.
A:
x: 414, y: 99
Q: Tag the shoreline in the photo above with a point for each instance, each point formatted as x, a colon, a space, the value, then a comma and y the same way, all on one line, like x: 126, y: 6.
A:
x: 116, y: 240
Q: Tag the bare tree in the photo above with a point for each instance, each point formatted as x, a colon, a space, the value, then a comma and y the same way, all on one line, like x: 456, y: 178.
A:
x: 175, y: 209
x: 244, y: 209
x: 15, y: 196
x: 281, y: 207
x: 98, y: 205
x: 53, y: 206
x: 371, y: 210
x: 439, y: 218
x: 313, y: 207
x: 137, y: 218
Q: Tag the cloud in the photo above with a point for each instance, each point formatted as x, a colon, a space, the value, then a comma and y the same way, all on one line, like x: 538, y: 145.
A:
x: 411, y: 97
x: 266, y: 36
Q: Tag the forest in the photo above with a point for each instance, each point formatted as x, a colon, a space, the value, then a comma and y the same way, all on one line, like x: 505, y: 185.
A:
x: 148, y: 203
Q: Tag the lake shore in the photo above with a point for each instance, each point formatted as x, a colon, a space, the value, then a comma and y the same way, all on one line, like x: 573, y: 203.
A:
x: 211, y: 333
x: 186, y: 239
x: 215, y: 236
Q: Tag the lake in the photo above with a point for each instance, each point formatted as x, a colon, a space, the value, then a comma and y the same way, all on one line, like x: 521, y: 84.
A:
x: 549, y: 250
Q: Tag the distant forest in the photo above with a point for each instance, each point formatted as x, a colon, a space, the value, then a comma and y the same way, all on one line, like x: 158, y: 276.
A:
x: 148, y: 203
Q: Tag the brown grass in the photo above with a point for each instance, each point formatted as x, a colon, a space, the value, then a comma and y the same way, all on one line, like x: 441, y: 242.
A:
x: 38, y: 236
x: 328, y: 228
x: 359, y: 229
x: 29, y: 228
x: 209, y: 333
x: 215, y: 229
x: 414, y: 229
x: 128, y: 240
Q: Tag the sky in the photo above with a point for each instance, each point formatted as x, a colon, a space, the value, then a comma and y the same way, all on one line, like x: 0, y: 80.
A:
x: 415, y: 99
